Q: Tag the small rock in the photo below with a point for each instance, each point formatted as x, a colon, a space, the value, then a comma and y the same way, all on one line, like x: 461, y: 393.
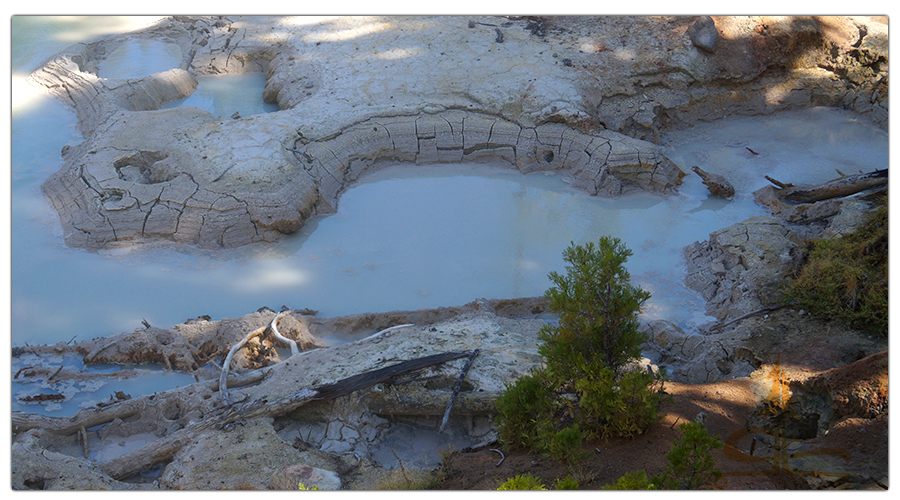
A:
x: 313, y: 476
x: 704, y: 34
x: 701, y: 418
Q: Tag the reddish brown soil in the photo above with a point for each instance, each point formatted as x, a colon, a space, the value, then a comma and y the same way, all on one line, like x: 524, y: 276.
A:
x: 727, y: 405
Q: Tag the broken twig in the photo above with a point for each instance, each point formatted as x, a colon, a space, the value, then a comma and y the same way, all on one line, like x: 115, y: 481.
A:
x: 778, y: 183
x: 502, y: 456
x: 84, y: 441
x: 758, y: 311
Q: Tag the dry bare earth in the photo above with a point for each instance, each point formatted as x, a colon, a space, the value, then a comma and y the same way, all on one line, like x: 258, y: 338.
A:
x: 728, y: 406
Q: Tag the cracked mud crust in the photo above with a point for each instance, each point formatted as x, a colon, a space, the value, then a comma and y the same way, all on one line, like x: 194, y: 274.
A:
x: 586, y: 96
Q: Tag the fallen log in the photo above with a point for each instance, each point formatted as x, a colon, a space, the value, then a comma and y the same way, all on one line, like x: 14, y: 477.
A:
x: 833, y: 189
x: 91, y: 417
x: 164, y: 448
x: 429, y: 402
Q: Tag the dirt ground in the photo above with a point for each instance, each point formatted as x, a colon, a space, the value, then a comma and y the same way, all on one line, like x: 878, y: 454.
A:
x: 728, y: 406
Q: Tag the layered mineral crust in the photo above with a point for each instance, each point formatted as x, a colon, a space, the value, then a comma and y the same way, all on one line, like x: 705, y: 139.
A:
x: 581, y: 96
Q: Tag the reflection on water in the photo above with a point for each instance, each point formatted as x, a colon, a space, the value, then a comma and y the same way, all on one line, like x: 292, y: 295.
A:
x: 139, y: 58
x: 237, y: 95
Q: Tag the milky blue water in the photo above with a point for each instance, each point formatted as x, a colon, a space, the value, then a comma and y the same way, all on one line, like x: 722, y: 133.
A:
x: 408, y: 237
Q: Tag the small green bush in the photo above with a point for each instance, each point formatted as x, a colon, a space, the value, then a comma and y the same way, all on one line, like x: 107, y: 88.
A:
x: 525, y: 412
x: 637, y: 480
x: 620, y: 407
x: 690, y: 463
x: 846, y: 278
x: 565, y: 445
x: 522, y: 482
x: 567, y: 483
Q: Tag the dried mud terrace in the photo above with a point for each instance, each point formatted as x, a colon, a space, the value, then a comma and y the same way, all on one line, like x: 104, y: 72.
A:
x: 584, y: 96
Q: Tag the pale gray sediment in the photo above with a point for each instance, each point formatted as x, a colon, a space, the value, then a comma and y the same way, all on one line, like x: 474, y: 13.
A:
x: 586, y: 97
x: 357, y: 94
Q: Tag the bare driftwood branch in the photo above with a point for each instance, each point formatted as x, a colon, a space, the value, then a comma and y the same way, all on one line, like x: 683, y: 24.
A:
x: 502, y: 456
x: 834, y: 189
x: 778, y: 183
x: 386, y: 331
x: 751, y: 313
x: 223, y: 386
x: 293, y: 345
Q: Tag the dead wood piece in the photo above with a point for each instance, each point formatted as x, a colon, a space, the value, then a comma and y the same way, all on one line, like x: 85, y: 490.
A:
x: 429, y: 402
x: 122, y: 409
x: 42, y: 397
x: 752, y: 313
x: 223, y: 377
x: 778, y: 183
x: 84, y: 440
x: 386, y: 331
x: 462, y: 375
x: 293, y: 344
x: 492, y: 439
x: 164, y: 448
x: 717, y: 185
x: 502, y: 456
x: 381, y: 375
x: 834, y: 189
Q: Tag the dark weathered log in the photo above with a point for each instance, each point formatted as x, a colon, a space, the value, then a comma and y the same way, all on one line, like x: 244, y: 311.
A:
x: 91, y: 417
x: 164, y: 448
x: 387, y: 374
x: 459, y: 381
x: 834, y: 189
x: 426, y: 402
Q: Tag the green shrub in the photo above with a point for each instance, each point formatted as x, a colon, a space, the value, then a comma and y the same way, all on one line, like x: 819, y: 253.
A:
x: 565, y: 445
x: 522, y: 482
x: 690, y: 463
x: 583, y: 385
x: 846, y: 278
x: 637, y: 480
x: 597, y: 308
x: 567, y: 483
x: 623, y: 407
x: 525, y: 412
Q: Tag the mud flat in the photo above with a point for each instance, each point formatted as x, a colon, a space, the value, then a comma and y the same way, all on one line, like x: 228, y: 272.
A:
x: 587, y: 97
x: 584, y: 96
